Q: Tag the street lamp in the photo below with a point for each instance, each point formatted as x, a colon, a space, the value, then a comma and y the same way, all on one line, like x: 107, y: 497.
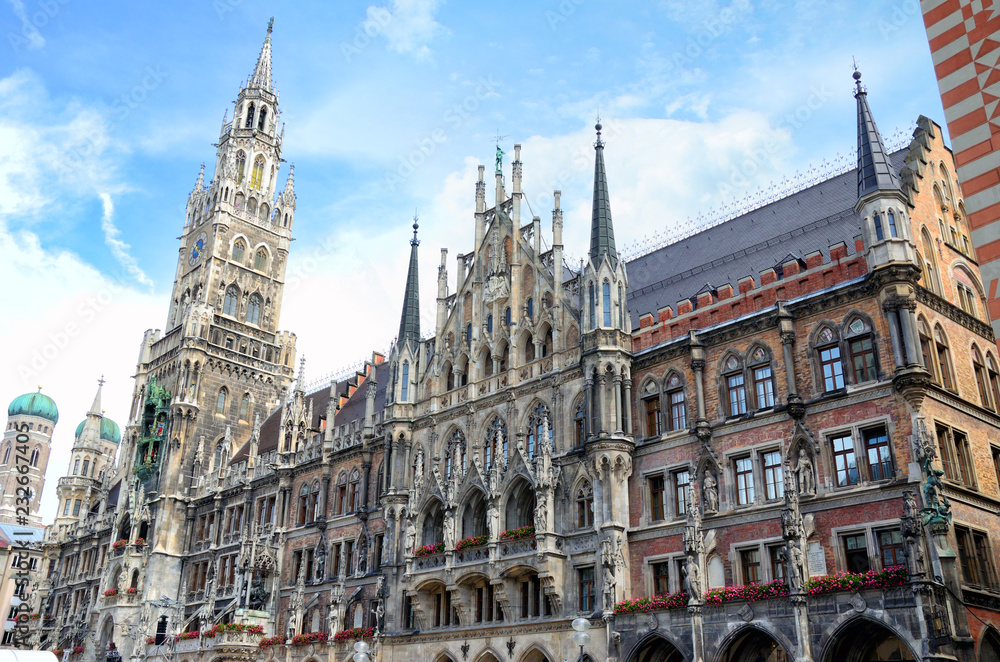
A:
x: 361, y: 651
x: 580, y: 637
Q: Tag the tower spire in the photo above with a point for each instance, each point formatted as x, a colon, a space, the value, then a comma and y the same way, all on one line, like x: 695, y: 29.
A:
x: 409, y: 323
x: 262, y: 72
x: 875, y: 173
x: 300, y: 382
x: 602, y: 232
x: 95, y: 408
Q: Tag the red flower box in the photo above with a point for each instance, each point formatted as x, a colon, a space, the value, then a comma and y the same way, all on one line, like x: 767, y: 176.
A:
x: 474, y: 541
x: 271, y: 641
x: 111, y: 592
x: 311, y: 638
x: 748, y: 593
x: 427, y: 550
x: 891, y: 577
x: 518, y: 534
x: 655, y: 603
x: 354, y: 633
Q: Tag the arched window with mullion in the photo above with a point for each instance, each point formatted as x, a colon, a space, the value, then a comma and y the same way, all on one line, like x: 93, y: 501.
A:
x: 982, y: 384
x: 763, y: 378
x: 831, y: 363
x: 220, y: 401
x: 231, y: 302
x: 735, y: 386
x: 253, y: 308
x: 606, y: 303
x: 861, y: 346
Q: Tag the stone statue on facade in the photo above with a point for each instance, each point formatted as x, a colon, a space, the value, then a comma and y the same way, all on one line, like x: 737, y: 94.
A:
x: 711, y: 491
x: 449, y: 530
x: 693, y: 578
x: 804, y: 474
x: 795, y: 566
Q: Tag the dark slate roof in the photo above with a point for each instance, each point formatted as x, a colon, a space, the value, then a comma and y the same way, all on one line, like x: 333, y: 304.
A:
x: 409, y: 321
x: 812, y: 219
x: 353, y: 409
x: 875, y: 173
x: 602, y: 232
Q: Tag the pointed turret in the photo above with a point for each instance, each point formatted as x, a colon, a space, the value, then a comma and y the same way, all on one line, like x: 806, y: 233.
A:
x: 199, y: 184
x: 289, y: 193
x: 300, y: 382
x: 875, y: 173
x: 602, y: 232
x: 409, y: 323
x: 262, y: 72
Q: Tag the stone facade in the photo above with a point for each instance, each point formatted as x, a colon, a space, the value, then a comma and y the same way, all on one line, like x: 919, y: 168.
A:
x: 549, y: 454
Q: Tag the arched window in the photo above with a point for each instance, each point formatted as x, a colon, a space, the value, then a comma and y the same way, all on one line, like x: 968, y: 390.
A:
x: 529, y: 348
x: 489, y: 323
x: 651, y: 408
x: 585, y: 506
x: 404, y: 390
x: 531, y: 307
x: 354, y: 492
x: 86, y: 466
x: 250, y: 113
x: 245, y: 407
x: 76, y: 467
x: 621, y: 308
x: 260, y: 260
x: 763, y: 378
x: 220, y: 401
x: 930, y: 262
x: 232, y: 301
x: 979, y: 369
x: 592, y: 305
x: 538, y: 422
x: 735, y: 383
x: 314, y: 513
x: 241, y: 165
x: 6, y: 454
x: 677, y: 417
x: 239, y: 250
x: 342, y: 494
x: 506, y: 316
x: 830, y: 362
x: 303, y: 515
x: 253, y: 308
x: 580, y: 425
x: 927, y: 348
x: 261, y: 122
x: 258, y: 172
x: 496, y: 443
x: 34, y: 457
x: 993, y: 377
x: 892, y: 223
x: 468, y: 332
x: 864, y: 368
x: 606, y: 302
x: 879, y: 233
x: 944, y: 359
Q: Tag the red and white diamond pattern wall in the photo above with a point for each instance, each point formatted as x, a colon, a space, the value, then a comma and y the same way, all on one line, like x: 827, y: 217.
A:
x: 964, y: 37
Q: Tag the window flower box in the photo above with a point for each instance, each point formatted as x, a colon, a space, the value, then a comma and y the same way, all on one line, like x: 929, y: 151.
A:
x: 891, y: 577
x: 518, y: 534
x: 119, y: 544
x: 474, y: 541
x: 150, y: 641
x: 655, y: 603
x: 193, y: 634
x: 427, y: 550
x: 77, y: 650
x: 139, y: 542
x: 132, y: 591
x: 271, y: 641
x: 354, y: 633
x: 747, y: 593
x: 111, y: 592
x: 311, y: 638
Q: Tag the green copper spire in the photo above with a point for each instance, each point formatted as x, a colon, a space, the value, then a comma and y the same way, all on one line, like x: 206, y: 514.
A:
x: 602, y: 233
x: 409, y: 323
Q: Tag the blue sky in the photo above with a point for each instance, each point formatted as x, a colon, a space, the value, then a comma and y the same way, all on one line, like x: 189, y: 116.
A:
x: 108, y: 109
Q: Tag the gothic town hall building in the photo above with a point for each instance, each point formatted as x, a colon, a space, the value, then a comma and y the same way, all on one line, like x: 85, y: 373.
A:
x: 777, y: 439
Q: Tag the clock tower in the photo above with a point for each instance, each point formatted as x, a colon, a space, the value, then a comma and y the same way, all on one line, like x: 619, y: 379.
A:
x: 220, y: 361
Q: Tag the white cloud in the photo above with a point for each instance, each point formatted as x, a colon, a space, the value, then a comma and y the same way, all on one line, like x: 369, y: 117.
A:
x: 407, y: 25
x: 29, y: 33
x: 69, y: 325
x: 118, y: 247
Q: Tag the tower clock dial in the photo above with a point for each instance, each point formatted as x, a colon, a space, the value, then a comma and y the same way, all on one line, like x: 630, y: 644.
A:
x: 197, y: 249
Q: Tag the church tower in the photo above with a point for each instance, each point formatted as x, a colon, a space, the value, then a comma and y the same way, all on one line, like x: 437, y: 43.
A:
x: 606, y: 358
x: 91, y: 461
x: 27, y: 440
x: 221, y: 359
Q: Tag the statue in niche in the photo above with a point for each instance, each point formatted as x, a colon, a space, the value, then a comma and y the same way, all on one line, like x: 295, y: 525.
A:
x: 710, y: 488
x: 693, y: 577
x: 804, y: 474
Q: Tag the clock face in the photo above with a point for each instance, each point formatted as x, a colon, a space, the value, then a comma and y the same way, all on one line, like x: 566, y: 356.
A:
x: 196, y: 250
